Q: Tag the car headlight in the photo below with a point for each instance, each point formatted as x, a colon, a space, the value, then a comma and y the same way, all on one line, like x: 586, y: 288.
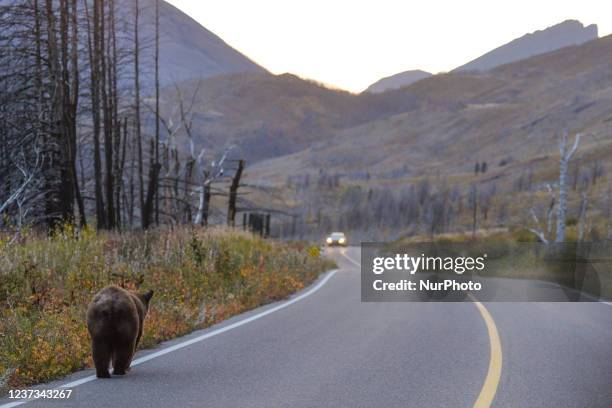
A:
x: 329, y: 240
x: 341, y: 240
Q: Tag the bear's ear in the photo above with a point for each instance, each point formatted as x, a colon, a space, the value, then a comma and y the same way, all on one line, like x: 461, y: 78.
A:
x: 147, y: 296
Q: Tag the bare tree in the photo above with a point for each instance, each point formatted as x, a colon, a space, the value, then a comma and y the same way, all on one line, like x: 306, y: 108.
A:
x: 93, y: 34
x: 473, y: 203
x: 233, y: 194
x: 156, y: 183
x: 545, y: 235
x: 47, y: 48
x: 566, y: 154
x: 138, y: 127
x: 209, y: 174
x: 583, y: 215
x: 28, y: 176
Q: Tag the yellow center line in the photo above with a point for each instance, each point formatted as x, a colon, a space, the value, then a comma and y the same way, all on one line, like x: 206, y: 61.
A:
x: 491, y: 382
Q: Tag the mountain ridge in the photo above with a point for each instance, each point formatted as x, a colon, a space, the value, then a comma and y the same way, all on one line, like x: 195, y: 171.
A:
x: 564, y: 34
x: 510, y: 114
x: 188, y: 50
x: 397, y: 81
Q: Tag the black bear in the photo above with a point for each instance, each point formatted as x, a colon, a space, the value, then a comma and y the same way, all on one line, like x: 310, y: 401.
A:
x: 114, y: 319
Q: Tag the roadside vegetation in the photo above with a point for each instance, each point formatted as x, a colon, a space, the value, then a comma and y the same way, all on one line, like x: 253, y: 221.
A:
x: 517, y: 253
x: 200, y: 277
x: 516, y: 191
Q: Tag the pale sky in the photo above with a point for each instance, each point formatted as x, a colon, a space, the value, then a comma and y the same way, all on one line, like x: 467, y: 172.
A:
x: 350, y: 44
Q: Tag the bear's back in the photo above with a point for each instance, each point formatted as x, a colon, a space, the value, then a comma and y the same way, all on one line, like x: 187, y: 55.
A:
x: 114, y: 310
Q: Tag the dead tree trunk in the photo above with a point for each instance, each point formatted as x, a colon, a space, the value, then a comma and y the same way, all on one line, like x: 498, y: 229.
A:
x: 138, y: 130
x: 187, y: 216
x: 74, y: 102
x: 206, y: 208
x: 156, y: 186
x: 202, y: 216
x: 59, y: 187
x: 107, y: 119
x: 583, y: 215
x: 474, y: 207
x: 233, y: 195
x: 93, y: 34
x: 566, y: 154
x: 267, y: 226
x: 154, y: 168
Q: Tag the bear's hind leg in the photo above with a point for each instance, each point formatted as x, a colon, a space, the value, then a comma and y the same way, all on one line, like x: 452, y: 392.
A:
x: 101, y: 351
x: 122, y: 357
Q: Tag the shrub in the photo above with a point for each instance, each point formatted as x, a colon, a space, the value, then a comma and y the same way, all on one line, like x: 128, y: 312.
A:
x: 524, y: 235
x: 200, y: 277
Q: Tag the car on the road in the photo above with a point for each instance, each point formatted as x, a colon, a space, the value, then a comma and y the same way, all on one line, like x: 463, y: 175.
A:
x: 336, y: 238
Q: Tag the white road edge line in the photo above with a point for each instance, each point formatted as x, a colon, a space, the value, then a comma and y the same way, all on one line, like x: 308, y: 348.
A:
x: 198, y: 339
x: 595, y: 300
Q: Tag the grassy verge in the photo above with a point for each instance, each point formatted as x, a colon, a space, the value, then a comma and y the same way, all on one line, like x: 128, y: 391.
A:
x: 200, y: 277
x: 517, y: 254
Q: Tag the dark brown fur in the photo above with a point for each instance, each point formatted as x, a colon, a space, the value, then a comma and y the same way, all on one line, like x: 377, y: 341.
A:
x: 114, y: 319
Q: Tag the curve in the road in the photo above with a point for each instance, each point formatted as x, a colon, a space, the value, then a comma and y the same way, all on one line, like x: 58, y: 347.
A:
x: 489, y: 387
x: 491, y: 382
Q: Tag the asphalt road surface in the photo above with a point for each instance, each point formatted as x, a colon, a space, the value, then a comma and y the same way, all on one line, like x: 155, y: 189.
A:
x: 324, y: 348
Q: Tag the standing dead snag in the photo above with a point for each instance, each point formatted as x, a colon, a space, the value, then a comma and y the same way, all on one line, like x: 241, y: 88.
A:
x: 202, y: 217
x: 209, y: 174
x: 156, y: 185
x: 138, y: 127
x: 29, y: 175
x: 148, y: 210
x: 473, y: 202
x: 566, y: 154
x: 545, y: 236
x: 233, y: 194
x: 583, y: 211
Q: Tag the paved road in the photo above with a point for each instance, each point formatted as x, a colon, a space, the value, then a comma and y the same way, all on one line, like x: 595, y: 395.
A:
x: 327, y: 349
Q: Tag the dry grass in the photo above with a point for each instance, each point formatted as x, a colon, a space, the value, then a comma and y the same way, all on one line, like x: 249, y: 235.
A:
x: 516, y: 253
x: 200, y: 277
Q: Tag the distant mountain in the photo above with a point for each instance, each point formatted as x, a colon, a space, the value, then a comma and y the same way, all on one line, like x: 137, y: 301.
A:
x: 445, y: 123
x: 187, y: 50
x: 567, y: 33
x: 397, y: 81
x: 285, y: 126
x: 268, y: 116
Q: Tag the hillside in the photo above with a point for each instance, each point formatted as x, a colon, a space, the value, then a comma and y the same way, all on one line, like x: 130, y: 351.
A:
x: 510, y: 114
x: 268, y: 116
x: 187, y: 50
x: 397, y: 81
x: 567, y: 33
x: 285, y: 126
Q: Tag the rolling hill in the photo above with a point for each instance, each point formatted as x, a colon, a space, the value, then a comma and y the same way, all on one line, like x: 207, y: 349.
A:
x: 295, y: 133
x: 268, y: 116
x: 511, y: 114
x: 397, y: 81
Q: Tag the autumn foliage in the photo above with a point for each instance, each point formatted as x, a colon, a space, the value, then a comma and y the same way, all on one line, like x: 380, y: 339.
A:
x: 200, y: 277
